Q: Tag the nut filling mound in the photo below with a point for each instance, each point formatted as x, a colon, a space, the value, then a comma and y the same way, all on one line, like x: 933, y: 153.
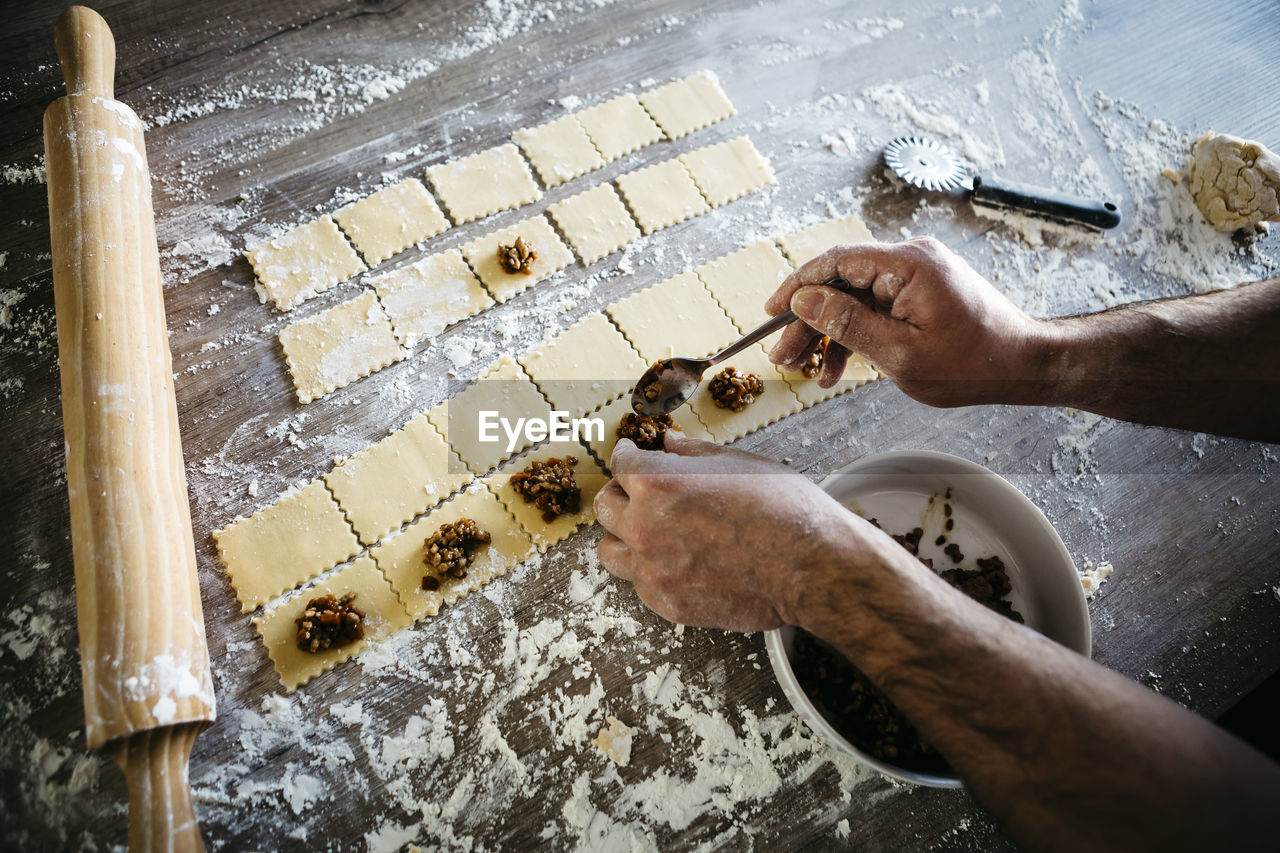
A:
x: 327, y: 622
x: 451, y: 550
x: 550, y: 486
x: 731, y: 390
x: 518, y: 257
x: 855, y: 706
x: 645, y: 431
x: 813, y: 366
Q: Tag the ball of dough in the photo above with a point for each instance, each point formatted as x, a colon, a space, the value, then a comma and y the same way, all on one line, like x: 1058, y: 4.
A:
x: 1235, y: 182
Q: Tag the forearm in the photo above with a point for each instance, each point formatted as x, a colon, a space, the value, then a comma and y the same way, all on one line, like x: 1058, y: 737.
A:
x: 1068, y: 754
x: 1208, y: 363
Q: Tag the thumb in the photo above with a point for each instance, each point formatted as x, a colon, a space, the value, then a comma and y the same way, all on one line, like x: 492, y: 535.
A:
x: 854, y: 325
x: 675, y: 441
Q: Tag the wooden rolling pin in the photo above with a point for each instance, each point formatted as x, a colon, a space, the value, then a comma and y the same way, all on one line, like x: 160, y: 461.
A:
x: 145, y: 665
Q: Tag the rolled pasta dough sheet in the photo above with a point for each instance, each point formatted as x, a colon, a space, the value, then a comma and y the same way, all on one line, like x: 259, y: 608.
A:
x: 484, y: 183
x: 384, y: 615
x: 402, y: 557
x: 589, y: 476
x: 338, y: 346
x: 661, y: 195
x: 400, y: 477
x: 300, y: 536
x: 584, y: 366
x: 391, y: 220
x: 298, y: 264
x: 426, y: 297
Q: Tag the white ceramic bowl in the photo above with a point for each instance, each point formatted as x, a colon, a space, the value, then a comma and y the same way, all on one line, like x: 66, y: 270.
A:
x: 991, y: 517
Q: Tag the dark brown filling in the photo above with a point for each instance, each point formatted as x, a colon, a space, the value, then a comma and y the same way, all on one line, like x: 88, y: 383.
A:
x: 451, y: 550
x: 855, y: 706
x: 327, y: 622
x: 731, y: 390
x: 518, y: 257
x: 813, y: 366
x: 550, y: 486
x: 645, y: 431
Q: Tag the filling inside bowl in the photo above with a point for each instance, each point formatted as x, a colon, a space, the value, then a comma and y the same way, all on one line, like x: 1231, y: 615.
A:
x: 855, y: 707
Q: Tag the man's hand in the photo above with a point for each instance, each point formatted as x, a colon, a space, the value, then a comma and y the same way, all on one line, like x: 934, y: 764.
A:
x: 939, y: 330
x: 712, y: 536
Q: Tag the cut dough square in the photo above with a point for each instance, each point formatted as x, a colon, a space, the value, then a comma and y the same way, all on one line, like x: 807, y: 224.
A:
x: 775, y: 403
x: 278, y: 547
x: 584, y: 366
x: 741, y: 281
x: 503, y: 388
x: 560, y: 150
x: 687, y: 105
x: 338, y: 346
x: 683, y: 418
x: 662, y: 195
x: 482, y: 254
x: 484, y: 183
x: 596, y: 222
x: 588, y: 475
x: 391, y: 220
x: 426, y: 297
x: 400, y: 477
x: 300, y: 263
x: 618, y: 126
x: 728, y: 170
x: 383, y: 612
x: 402, y: 558
x: 674, y: 317
x: 804, y: 246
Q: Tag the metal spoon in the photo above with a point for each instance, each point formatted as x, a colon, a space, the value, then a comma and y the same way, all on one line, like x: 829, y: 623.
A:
x: 668, y: 383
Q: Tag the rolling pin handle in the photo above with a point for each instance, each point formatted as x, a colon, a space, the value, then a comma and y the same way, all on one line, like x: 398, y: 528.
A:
x: 87, y: 51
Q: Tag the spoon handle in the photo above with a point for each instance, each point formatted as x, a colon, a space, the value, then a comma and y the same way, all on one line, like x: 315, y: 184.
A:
x: 776, y: 322
x: 759, y: 333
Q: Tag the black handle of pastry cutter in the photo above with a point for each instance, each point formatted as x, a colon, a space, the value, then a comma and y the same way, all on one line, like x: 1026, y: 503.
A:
x: 1053, y: 205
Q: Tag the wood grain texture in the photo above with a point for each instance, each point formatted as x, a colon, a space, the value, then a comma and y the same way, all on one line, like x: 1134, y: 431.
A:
x: 143, y: 656
x: 1189, y: 523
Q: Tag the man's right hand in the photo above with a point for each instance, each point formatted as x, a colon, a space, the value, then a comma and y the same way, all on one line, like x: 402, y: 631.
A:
x: 939, y: 330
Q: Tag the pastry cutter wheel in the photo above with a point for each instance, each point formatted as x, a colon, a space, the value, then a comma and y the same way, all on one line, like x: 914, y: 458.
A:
x: 924, y: 163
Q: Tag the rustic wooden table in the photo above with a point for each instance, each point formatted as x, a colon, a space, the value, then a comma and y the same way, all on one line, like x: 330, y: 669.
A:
x: 261, y: 114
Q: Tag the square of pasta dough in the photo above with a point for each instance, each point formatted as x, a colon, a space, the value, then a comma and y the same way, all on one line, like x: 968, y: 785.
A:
x: 596, y: 222
x: 426, y: 297
x: 338, y: 346
x: 384, y: 614
x: 585, y: 365
x: 484, y: 183
x: 741, y: 281
x: 402, y: 557
x: 589, y: 476
x: 683, y: 106
x: 505, y: 389
x: 661, y: 195
x: 683, y: 418
x: 300, y: 263
x: 618, y: 126
x: 391, y: 220
x: 804, y: 246
x: 560, y: 150
x: 676, y: 317
x: 301, y: 535
x: 400, y: 477
x: 777, y: 401
x: 728, y: 170
x: 482, y: 254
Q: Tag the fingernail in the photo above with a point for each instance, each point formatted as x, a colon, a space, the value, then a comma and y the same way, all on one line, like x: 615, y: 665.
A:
x: 808, y: 303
